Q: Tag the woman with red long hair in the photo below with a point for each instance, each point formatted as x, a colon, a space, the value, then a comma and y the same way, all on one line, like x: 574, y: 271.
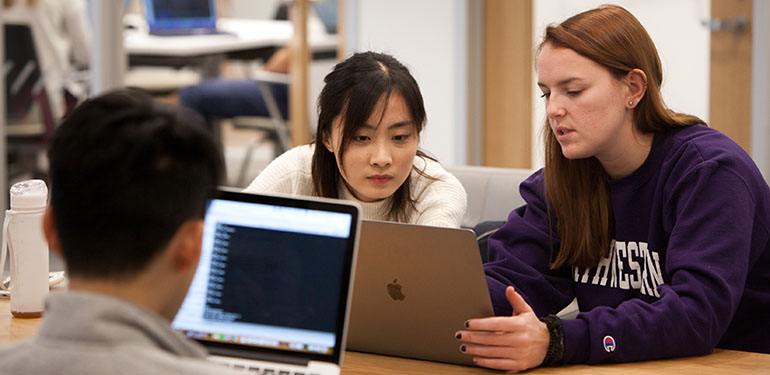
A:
x: 657, y: 224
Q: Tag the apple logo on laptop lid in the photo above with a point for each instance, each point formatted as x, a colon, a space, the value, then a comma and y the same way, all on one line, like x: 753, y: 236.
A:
x: 394, y: 290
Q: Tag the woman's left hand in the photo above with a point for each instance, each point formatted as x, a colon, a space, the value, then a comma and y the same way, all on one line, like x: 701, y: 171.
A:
x: 516, y: 342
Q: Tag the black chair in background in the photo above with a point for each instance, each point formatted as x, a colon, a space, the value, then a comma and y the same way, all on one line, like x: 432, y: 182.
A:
x: 29, y: 118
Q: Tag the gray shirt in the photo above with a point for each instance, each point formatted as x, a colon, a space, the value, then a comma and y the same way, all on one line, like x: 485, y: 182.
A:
x: 84, y: 333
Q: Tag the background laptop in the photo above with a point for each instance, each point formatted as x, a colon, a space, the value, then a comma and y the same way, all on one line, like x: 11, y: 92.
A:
x: 415, y: 287
x: 181, y: 17
x: 272, y: 288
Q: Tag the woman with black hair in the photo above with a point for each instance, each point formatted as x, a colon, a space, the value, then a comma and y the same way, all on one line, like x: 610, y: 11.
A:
x: 371, y: 114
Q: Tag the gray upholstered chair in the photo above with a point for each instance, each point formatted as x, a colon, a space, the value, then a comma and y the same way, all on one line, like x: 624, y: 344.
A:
x: 492, y: 194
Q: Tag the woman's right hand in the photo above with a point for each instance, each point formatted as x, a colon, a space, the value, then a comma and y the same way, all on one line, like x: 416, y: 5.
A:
x: 516, y: 342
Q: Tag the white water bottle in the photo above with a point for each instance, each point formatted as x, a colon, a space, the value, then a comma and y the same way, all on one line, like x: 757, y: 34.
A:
x: 23, y: 233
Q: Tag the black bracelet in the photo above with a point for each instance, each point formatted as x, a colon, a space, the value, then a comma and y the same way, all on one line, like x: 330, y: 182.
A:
x: 555, y: 353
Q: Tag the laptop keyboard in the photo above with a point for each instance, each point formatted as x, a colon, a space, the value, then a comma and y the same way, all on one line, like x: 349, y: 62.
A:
x: 261, y: 370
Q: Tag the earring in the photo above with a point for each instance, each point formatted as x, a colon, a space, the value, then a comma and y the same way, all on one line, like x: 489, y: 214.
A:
x: 630, y: 102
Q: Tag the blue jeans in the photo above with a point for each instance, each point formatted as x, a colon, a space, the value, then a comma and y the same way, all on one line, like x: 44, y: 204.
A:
x: 225, y: 98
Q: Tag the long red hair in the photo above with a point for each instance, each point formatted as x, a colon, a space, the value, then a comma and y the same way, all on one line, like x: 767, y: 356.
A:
x: 577, y: 190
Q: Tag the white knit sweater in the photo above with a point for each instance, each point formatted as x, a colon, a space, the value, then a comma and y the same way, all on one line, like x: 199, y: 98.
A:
x: 439, y: 203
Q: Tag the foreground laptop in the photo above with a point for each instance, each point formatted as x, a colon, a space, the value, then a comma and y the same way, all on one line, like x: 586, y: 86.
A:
x: 415, y: 287
x: 272, y: 289
x: 181, y: 17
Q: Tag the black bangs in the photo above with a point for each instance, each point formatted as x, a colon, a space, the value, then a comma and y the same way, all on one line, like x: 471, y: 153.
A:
x: 351, y: 92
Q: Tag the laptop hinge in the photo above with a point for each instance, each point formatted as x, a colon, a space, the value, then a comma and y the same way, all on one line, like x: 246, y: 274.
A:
x: 269, y: 357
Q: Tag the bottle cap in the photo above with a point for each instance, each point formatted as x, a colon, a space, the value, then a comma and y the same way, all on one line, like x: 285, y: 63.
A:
x: 29, y: 194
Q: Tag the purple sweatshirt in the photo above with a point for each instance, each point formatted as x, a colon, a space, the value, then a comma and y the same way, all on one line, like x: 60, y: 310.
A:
x: 689, y: 267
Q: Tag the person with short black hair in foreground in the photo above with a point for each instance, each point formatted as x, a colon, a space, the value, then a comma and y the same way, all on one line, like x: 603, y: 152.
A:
x: 130, y: 180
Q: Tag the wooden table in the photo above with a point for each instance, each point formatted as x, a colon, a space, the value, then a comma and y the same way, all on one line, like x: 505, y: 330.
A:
x: 719, y: 362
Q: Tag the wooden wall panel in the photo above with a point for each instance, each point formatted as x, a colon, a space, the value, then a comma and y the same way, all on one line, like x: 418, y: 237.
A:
x: 507, y: 77
x: 730, y: 92
x: 299, y: 117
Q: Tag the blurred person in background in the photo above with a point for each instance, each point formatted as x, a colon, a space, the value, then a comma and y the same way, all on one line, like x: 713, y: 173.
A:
x: 62, y: 36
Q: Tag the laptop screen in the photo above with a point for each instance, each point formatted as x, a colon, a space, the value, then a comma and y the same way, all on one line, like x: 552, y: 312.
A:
x: 180, y: 14
x: 274, y: 274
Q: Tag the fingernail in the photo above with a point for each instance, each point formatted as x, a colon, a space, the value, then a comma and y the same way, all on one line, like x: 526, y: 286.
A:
x: 459, y: 336
x: 462, y: 348
x: 467, y: 325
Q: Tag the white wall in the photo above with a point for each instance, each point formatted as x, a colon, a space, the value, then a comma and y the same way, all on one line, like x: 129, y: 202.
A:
x: 260, y: 9
x: 682, y: 42
x: 429, y: 37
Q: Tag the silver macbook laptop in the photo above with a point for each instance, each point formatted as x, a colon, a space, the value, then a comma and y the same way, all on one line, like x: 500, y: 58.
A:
x: 181, y: 17
x: 272, y: 290
x: 414, y: 288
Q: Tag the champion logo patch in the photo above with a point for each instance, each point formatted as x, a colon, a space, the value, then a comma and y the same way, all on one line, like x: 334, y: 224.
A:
x: 609, y: 344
